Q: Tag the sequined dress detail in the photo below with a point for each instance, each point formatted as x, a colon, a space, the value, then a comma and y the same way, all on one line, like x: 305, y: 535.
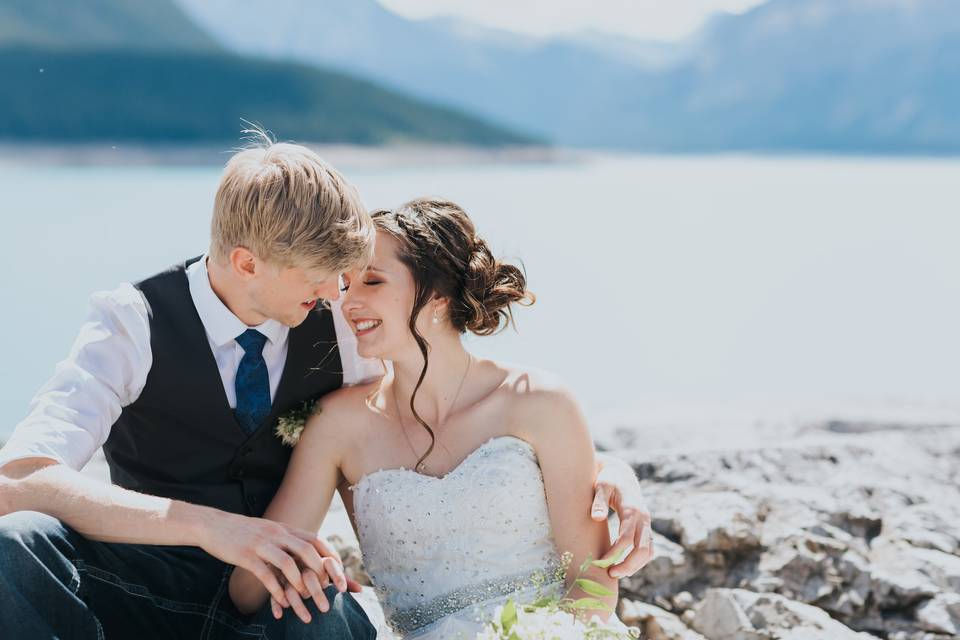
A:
x: 444, y: 552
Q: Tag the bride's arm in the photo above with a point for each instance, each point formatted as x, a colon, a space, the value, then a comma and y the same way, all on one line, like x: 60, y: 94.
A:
x: 565, y: 452
x: 303, y: 498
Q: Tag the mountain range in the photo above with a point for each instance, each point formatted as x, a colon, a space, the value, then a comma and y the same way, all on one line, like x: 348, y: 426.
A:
x: 809, y: 75
x: 856, y: 76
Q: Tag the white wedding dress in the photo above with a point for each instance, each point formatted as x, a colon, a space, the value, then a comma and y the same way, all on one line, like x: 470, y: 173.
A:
x: 444, y: 552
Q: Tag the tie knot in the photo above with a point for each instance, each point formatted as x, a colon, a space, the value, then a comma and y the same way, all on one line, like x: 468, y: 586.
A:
x: 252, y: 341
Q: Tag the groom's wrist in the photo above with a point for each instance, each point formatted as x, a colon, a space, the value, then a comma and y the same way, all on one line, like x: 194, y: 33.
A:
x: 194, y: 522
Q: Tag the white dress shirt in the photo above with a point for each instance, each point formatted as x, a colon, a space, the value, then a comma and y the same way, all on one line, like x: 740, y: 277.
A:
x: 106, y: 370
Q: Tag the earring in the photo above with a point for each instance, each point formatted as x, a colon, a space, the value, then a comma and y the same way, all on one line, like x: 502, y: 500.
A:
x: 436, y: 320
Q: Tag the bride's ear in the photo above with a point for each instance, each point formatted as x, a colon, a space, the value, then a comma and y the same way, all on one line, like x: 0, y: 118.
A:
x: 440, y: 307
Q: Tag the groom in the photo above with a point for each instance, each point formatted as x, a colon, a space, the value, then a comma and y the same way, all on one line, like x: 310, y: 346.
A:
x: 181, y: 378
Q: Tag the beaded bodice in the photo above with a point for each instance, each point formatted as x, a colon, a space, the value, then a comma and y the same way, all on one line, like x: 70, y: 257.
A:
x: 437, y: 546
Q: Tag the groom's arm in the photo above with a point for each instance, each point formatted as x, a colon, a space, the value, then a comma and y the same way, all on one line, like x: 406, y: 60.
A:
x: 72, y: 414
x: 617, y: 488
x: 97, y: 510
x: 109, y: 513
x: 70, y: 418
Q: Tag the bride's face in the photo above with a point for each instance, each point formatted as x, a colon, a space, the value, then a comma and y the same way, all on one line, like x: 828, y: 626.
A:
x: 377, y: 302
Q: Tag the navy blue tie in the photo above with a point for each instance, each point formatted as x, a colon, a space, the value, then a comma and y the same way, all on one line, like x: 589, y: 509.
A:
x: 253, y: 381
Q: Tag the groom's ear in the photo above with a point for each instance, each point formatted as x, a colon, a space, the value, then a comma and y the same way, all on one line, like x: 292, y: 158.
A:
x: 243, y: 262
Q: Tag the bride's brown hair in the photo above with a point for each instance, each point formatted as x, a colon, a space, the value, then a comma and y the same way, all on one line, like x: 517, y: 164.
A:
x: 439, y: 244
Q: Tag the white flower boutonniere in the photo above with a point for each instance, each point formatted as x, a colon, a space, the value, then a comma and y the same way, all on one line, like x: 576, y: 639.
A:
x: 290, y: 425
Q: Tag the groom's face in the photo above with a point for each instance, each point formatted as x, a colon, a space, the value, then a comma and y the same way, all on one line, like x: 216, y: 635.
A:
x: 289, y: 294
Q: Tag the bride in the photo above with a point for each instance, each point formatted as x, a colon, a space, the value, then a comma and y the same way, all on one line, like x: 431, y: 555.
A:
x: 466, y: 479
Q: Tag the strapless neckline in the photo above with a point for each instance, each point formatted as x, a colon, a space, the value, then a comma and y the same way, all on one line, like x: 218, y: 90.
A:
x: 427, y: 477
x: 445, y: 550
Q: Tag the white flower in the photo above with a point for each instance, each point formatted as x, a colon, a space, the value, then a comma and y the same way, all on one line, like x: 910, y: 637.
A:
x: 290, y: 425
x: 551, y: 623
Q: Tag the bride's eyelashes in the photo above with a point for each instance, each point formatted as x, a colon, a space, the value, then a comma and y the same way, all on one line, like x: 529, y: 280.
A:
x: 370, y: 283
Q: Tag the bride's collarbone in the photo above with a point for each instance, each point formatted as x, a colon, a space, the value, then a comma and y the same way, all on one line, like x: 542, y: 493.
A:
x: 390, y: 445
x: 449, y: 472
x: 447, y: 454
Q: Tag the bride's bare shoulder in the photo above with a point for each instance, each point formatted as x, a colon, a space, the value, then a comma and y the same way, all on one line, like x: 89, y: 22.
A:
x: 349, y: 398
x: 531, y: 389
x: 347, y: 406
x: 541, y: 408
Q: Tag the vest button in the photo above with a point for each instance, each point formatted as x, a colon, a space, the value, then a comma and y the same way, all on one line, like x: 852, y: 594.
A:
x: 246, y: 451
x: 236, y: 474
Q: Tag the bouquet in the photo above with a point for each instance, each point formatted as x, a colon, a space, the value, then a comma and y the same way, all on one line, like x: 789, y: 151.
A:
x: 555, y: 618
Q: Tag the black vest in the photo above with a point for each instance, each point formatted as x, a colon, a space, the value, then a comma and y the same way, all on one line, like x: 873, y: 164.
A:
x: 180, y: 438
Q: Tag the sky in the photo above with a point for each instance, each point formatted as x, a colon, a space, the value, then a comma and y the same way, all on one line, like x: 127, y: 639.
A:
x: 647, y: 19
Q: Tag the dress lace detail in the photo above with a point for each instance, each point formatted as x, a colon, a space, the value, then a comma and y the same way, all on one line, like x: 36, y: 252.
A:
x: 444, y: 552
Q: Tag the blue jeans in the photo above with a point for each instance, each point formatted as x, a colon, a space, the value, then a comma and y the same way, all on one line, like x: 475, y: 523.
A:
x: 54, y: 583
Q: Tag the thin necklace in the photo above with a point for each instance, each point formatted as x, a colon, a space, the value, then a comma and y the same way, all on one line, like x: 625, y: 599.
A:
x: 423, y: 465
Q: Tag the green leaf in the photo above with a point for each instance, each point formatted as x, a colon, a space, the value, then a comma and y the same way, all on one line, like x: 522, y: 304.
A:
x: 593, y: 588
x: 586, y: 563
x: 509, y: 616
x: 603, y: 564
x: 589, y: 603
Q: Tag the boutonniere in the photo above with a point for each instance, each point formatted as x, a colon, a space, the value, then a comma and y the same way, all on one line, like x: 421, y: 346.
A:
x: 290, y: 425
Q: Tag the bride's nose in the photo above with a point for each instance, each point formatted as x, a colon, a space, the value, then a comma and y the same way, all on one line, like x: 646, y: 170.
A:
x: 348, y: 298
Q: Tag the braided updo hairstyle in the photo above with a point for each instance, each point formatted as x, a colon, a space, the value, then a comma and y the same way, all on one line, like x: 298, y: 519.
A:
x: 439, y: 244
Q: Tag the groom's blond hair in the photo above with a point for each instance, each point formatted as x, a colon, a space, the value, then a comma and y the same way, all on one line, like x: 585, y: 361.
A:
x: 289, y: 207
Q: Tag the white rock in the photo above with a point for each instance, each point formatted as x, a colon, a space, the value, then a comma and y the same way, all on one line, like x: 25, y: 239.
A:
x: 901, y: 575
x: 715, y: 521
x: 655, y: 623
x: 737, y: 614
x: 941, y: 614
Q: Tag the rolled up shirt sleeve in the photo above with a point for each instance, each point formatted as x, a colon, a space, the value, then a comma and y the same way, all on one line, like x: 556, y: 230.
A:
x: 70, y: 417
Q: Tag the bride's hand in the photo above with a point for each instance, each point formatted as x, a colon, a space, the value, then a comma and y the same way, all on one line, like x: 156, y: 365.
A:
x: 315, y: 584
x: 617, y: 488
x: 314, y: 588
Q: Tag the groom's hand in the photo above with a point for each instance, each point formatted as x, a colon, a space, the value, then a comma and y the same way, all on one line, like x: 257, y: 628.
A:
x: 267, y: 549
x: 617, y: 488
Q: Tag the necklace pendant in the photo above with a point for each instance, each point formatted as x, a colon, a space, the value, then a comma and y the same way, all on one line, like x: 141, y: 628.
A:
x: 421, y: 467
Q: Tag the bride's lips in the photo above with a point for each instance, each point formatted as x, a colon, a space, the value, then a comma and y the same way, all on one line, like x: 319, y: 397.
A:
x: 365, y: 326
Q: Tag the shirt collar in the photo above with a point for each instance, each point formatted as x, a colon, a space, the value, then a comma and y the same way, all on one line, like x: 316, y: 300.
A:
x: 221, y: 324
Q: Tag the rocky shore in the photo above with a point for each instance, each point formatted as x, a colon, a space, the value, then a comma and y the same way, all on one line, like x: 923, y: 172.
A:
x: 842, y: 530
x: 845, y: 530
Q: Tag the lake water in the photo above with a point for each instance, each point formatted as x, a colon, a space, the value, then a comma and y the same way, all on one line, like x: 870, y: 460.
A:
x: 667, y: 286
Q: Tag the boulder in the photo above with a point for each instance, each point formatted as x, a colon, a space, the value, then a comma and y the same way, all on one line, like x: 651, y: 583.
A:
x: 654, y: 622
x: 738, y: 614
